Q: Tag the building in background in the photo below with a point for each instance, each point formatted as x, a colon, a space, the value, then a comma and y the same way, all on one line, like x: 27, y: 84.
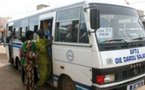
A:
x: 3, y: 21
x: 41, y: 6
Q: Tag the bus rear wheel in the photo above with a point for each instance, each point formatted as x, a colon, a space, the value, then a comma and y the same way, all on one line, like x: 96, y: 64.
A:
x: 66, y: 83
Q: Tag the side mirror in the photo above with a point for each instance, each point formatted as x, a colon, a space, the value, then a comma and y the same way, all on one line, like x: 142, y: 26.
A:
x: 94, y: 19
x: 141, y: 21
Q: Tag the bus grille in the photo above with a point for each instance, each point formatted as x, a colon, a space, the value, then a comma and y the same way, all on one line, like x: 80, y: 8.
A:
x: 130, y: 73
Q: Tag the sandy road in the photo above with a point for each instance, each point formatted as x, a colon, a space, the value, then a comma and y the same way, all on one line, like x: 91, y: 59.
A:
x: 9, y: 76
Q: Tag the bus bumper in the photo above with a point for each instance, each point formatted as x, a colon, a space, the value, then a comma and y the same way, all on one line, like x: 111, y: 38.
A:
x: 132, y: 85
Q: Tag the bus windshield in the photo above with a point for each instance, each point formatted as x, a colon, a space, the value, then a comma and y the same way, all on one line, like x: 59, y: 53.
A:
x: 118, y: 25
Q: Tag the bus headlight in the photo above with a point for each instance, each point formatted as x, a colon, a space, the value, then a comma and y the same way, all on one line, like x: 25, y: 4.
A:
x: 109, y: 78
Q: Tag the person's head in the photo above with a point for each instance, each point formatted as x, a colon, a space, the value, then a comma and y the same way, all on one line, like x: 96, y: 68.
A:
x: 45, y: 25
x: 40, y: 33
x: 70, y: 28
x: 29, y: 35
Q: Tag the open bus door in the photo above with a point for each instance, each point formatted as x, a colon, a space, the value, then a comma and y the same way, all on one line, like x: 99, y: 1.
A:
x: 46, y: 24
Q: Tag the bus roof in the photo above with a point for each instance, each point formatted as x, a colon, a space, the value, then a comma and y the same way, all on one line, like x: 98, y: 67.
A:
x: 48, y: 9
x: 114, y: 2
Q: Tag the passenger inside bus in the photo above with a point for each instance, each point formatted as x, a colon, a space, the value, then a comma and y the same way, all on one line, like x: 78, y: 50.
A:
x: 46, y: 28
x: 72, y: 32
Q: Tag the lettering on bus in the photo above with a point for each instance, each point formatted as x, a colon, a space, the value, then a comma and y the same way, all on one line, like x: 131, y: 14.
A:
x: 134, y: 55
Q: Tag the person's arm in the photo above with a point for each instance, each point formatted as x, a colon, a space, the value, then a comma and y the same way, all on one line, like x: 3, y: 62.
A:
x: 23, y: 49
x: 49, y: 43
x: 40, y: 47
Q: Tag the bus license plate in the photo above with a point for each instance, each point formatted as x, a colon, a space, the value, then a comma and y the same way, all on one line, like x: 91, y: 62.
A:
x: 134, y: 86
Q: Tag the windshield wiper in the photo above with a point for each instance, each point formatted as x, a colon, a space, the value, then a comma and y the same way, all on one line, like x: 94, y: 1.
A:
x: 140, y: 38
x: 114, y: 41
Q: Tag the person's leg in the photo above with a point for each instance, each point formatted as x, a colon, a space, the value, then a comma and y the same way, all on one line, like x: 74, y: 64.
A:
x: 35, y: 75
x: 10, y: 54
x: 43, y: 74
x: 29, y: 78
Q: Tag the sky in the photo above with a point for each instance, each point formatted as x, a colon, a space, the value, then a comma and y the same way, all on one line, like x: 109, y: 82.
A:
x: 14, y: 8
x: 138, y: 4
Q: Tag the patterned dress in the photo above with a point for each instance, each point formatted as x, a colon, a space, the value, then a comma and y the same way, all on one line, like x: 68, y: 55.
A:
x: 28, y: 58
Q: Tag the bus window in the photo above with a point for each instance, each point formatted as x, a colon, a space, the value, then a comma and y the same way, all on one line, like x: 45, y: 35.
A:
x: 9, y: 31
x: 46, y: 25
x: 27, y: 28
x: 22, y: 38
x: 71, y: 28
x: 67, y: 31
x: 67, y: 25
x: 35, y: 28
x: 23, y: 31
x: 17, y: 34
x: 35, y: 32
x: 83, y: 34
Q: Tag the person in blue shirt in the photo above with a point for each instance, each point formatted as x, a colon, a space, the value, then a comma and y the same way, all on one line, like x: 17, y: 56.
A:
x: 46, y: 29
x: 47, y: 33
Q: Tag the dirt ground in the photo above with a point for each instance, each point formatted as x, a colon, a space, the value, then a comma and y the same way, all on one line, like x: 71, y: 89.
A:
x: 9, y: 76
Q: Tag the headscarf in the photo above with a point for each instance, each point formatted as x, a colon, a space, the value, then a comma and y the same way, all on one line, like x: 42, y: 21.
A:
x: 40, y: 32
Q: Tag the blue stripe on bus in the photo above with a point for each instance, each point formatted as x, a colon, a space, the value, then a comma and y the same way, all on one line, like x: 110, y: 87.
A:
x: 79, y: 86
x: 83, y: 86
x: 16, y: 45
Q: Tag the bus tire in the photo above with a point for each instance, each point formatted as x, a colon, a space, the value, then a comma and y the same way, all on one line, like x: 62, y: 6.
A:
x: 66, y: 83
x: 11, y: 61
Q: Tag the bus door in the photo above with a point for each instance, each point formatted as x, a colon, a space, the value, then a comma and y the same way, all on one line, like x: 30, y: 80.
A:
x: 46, y: 24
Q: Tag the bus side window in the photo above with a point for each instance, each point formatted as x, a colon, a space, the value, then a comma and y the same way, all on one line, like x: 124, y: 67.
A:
x: 61, y: 31
x: 17, y: 34
x: 22, y: 38
x: 67, y: 25
x: 66, y: 31
x: 73, y: 31
x: 35, y: 32
x: 23, y: 31
x: 57, y: 33
x: 83, y: 34
x: 9, y: 34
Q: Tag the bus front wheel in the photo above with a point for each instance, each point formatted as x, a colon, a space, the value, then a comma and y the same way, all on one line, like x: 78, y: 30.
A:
x: 66, y: 83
